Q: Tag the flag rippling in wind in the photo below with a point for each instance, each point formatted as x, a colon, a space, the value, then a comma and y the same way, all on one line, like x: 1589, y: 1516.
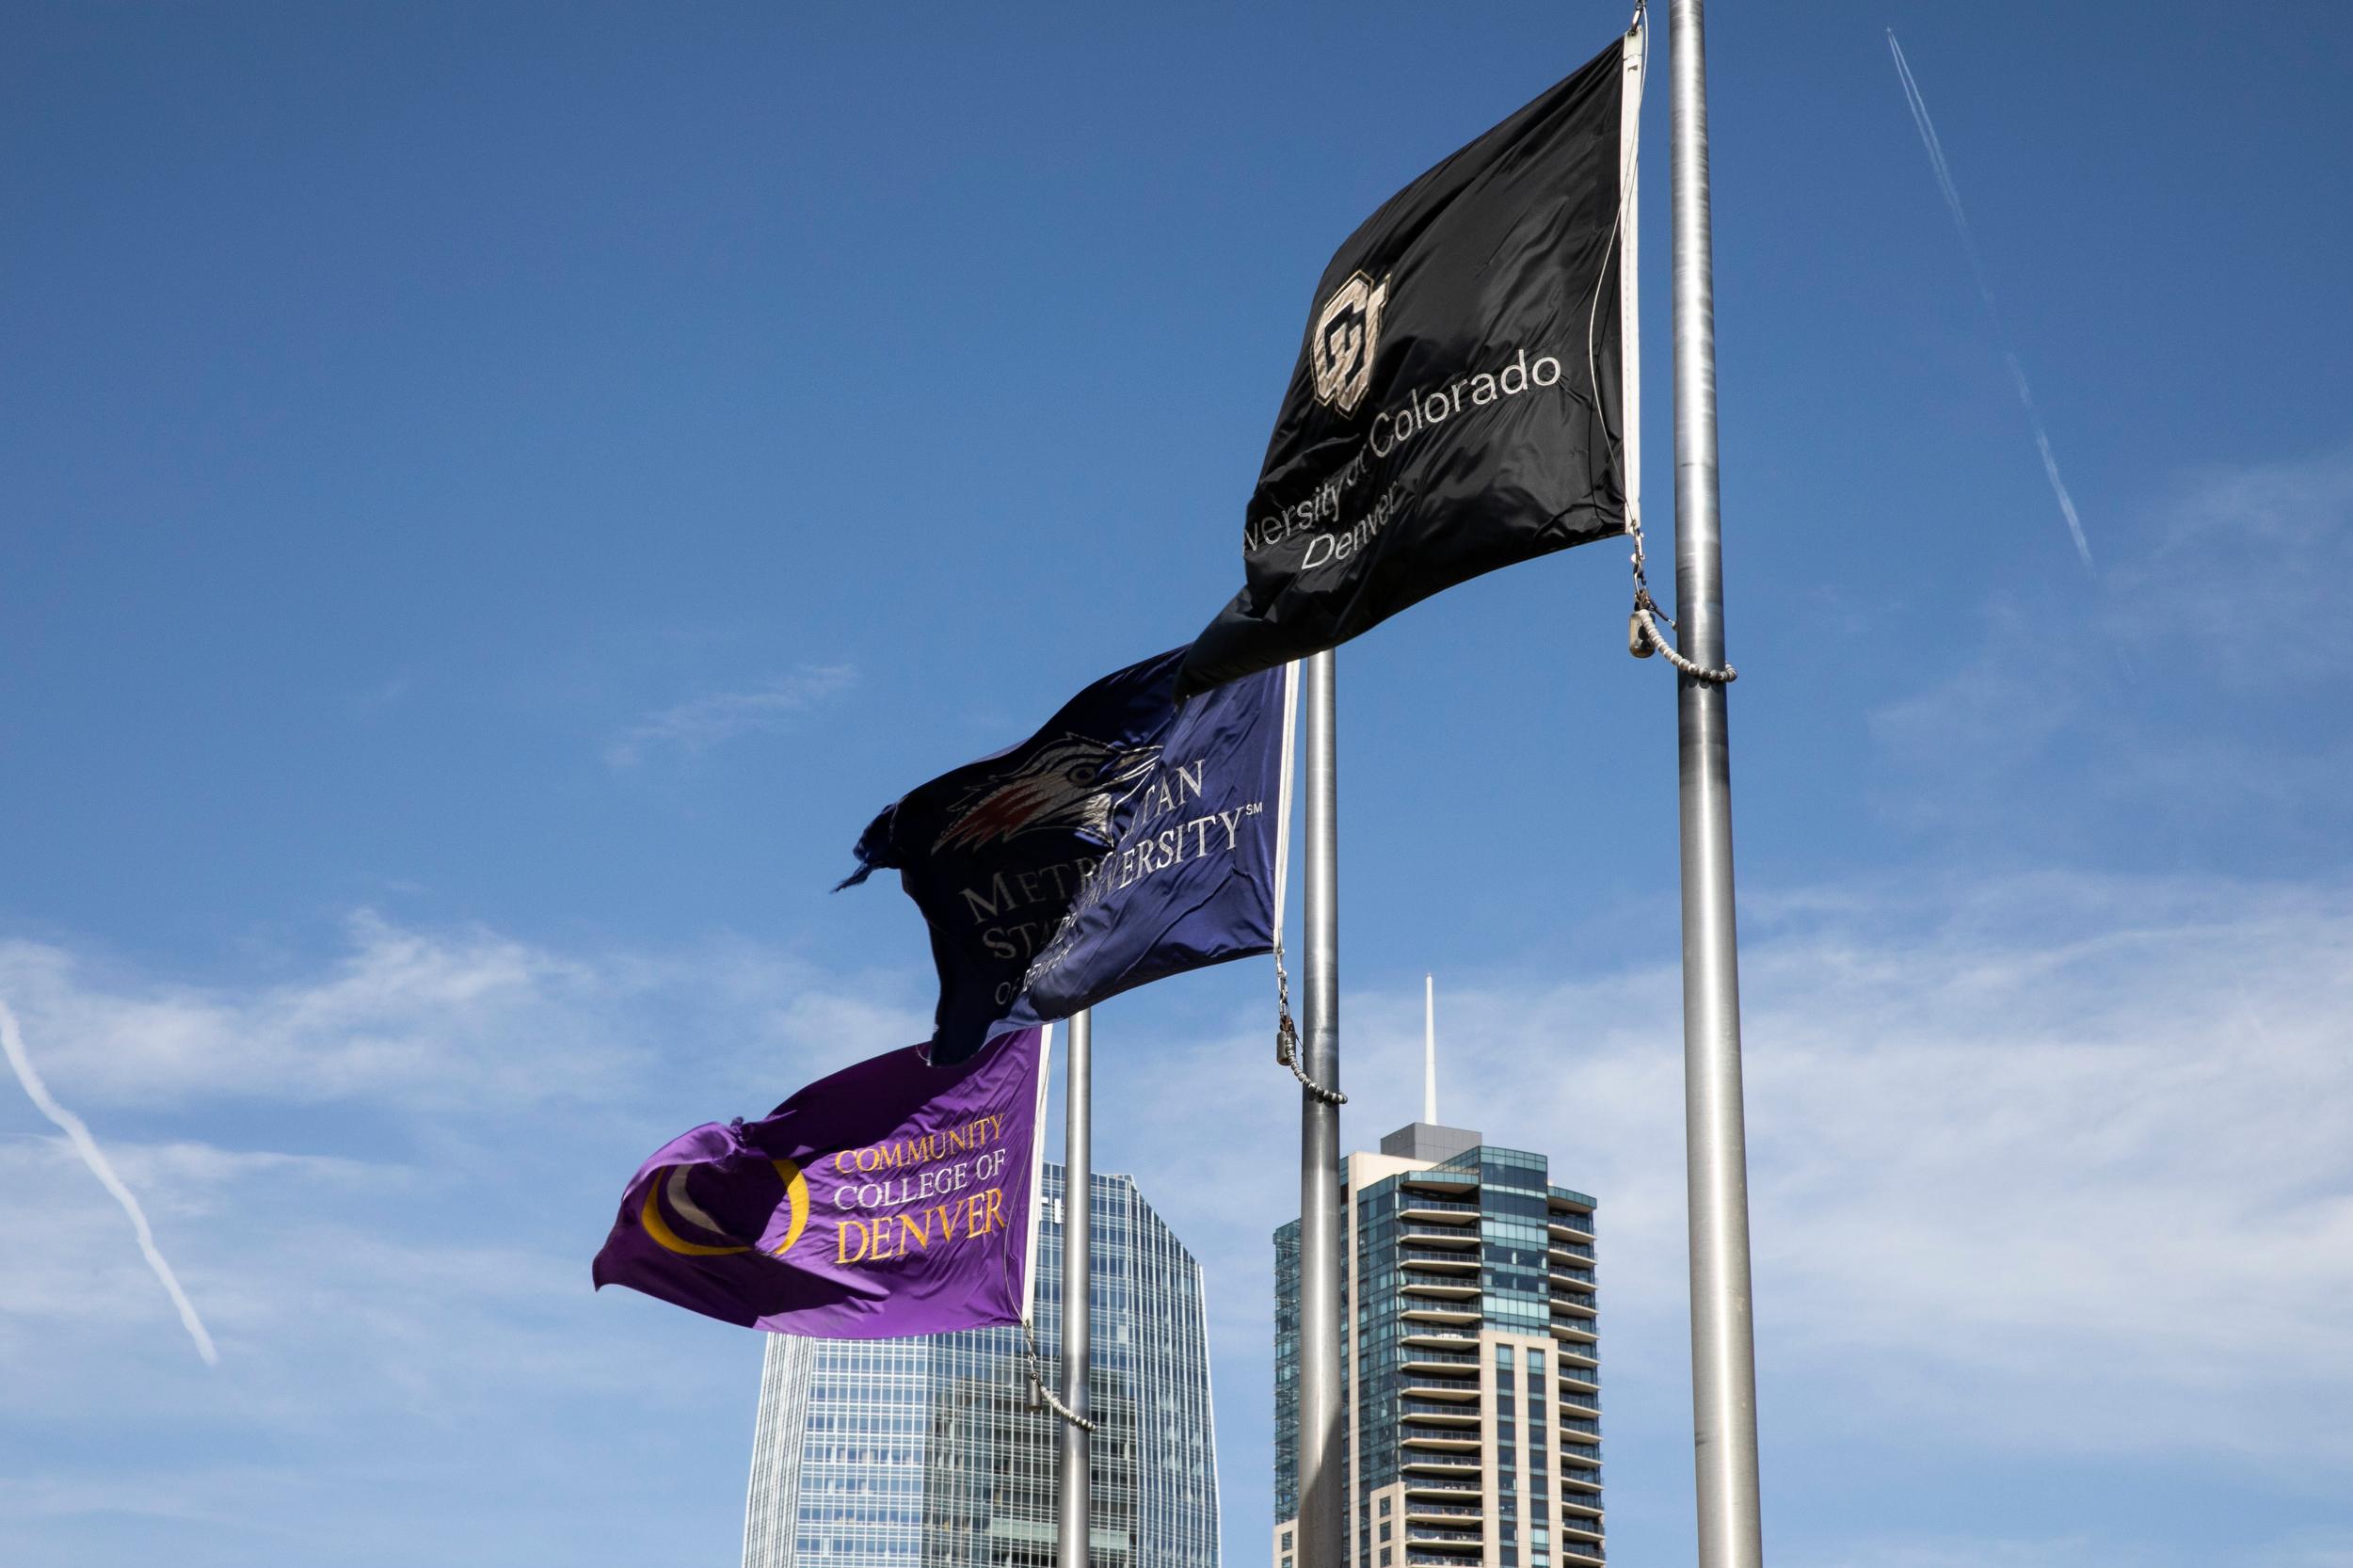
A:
x: 1459, y: 401
x: 1157, y: 821
x: 891, y: 1198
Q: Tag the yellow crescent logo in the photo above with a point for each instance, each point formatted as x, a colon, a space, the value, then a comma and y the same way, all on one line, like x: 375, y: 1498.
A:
x: 673, y: 1181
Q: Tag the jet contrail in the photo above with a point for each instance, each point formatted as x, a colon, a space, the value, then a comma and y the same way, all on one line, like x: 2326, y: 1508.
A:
x: 1928, y: 140
x: 95, y: 1159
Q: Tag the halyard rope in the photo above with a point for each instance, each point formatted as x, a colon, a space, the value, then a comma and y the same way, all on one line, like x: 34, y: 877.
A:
x: 1642, y: 637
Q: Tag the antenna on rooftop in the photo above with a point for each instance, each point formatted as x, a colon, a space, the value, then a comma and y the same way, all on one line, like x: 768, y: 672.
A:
x: 1429, y: 1049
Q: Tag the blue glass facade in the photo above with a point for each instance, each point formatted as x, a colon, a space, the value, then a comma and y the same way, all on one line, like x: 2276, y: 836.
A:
x: 924, y: 1452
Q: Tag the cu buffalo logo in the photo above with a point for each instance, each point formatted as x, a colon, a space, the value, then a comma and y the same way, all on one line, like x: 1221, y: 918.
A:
x: 748, y: 1215
x: 1347, y: 335
x: 1069, y: 784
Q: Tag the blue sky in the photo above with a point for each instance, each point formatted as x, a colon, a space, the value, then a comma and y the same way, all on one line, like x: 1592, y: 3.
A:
x: 496, y: 496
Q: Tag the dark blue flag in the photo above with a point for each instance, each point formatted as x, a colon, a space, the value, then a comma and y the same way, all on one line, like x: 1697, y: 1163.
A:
x: 1191, y: 874
x: 996, y: 853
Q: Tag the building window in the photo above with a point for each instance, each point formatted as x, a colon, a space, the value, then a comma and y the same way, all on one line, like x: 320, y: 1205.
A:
x: 1503, y: 1356
x: 1384, y: 1529
x: 1287, y: 1541
x: 1385, y: 1507
x: 1536, y: 1361
x: 1385, y: 1557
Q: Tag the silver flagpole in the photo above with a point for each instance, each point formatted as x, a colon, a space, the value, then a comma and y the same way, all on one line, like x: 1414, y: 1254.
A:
x: 1323, y: 1492
x: 1724, y: 1338
x: 1073, y: 1443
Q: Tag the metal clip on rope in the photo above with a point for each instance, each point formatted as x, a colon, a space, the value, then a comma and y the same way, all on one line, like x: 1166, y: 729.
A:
x: 1287, y: 1035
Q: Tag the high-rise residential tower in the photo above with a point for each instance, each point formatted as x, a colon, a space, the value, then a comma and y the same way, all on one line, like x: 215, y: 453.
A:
x: 926, y: 1453
x: 1473, y: 1395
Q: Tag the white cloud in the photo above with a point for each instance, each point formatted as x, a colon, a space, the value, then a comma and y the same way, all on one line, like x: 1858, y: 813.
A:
x: 463, y: 1020
x: 2181, y: 695
x: 2048, y: 1166
x: 2074, y: 1551
x: 2066, y: 1155
x: 706, y: 721
x: 2246, y: 575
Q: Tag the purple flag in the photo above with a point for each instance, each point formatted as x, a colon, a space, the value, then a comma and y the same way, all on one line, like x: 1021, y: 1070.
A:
x: 891, y: 1198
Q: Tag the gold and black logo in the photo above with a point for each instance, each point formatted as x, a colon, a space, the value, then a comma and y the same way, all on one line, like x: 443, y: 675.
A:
x: 1347, y: 332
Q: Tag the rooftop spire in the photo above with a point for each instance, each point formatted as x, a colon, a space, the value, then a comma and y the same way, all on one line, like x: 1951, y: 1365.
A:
x: 1429, y: 1049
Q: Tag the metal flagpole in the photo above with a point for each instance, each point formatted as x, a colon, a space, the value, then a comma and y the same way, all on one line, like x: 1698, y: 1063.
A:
x: 1072, y: 1443
x: 1322, y: 1498
x: 1724, y: 1338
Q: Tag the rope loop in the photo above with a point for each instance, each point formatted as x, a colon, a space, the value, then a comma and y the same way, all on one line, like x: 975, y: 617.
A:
x: 1287, y: 1033
x: 1039, y: 1392
x: 1642, y: 637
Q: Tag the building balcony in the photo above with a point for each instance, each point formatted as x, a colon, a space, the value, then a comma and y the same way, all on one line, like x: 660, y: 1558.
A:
x: 1442, y: 1559
x: 1442, y: 1510
x: 1570, y: 1227
x: 1443, y: 1259
x: 1439, y: 1464
x: 1455, y: 1243
x: 1585, y: 1354
x: 1576, y: 1429
x: 1580, y: 1456
x: 1576, y: 1276
x: 1427, y: 1359
x: 1575, y: 1373
x: 1582, y: 1493
x: 1437, y: 1486
x: 1445, y: 1439
x: 1569, y: 1252
x: 1439, y: 1289
x: 1424, y: 1311
x: 1582, y: 1527
x: 1464, y: 1399
x: 1580, y: 1551
x: 1424, y: 1536
x: 1575, y: 1329
x: 1438, y: 1343
x: 1443, y: 1211
x: 1575, y: 1405
x: 1440, y: 1410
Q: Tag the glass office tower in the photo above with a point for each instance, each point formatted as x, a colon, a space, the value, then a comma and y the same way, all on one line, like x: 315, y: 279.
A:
x: 1473, y: 1393
x: 925, y: 1452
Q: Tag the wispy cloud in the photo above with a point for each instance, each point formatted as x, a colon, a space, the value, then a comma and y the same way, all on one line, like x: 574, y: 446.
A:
x: 75, y: 1130
x: 464, y: 1019
x: 1986, y: 1117
x: 2221, y: 602
x: 707, y: 721
x: 1943, y: 172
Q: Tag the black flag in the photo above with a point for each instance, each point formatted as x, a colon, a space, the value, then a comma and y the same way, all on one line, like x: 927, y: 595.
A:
x: 1458, y: 403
